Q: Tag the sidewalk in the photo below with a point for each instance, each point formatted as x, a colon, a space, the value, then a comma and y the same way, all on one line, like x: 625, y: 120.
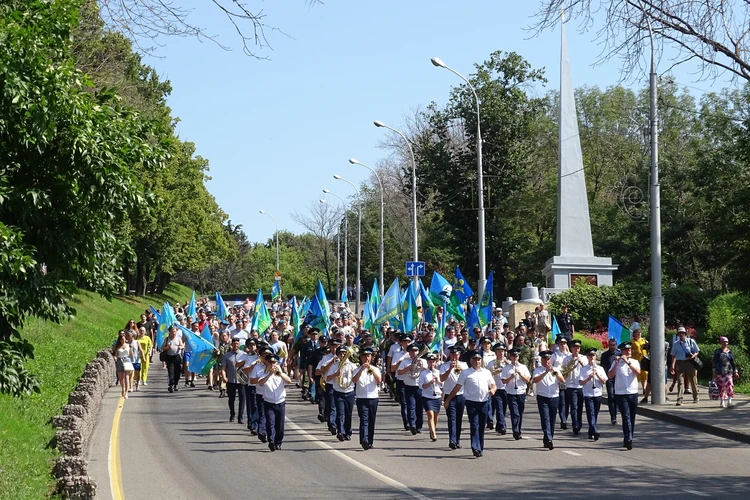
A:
x: 705, y: 416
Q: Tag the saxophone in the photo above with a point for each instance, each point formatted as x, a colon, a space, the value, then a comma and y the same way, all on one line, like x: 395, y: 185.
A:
x: 570, y: 366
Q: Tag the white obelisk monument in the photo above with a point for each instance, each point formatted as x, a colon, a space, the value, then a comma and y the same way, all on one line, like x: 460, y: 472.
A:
x: 575, y: 250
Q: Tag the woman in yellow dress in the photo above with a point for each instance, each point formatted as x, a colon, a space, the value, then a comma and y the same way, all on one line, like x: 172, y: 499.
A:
x: 146, y: 344
x: 639, y: 353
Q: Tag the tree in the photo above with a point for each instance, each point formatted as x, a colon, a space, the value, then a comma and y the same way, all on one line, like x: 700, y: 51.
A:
x: 715, y: 32
x: 322, y: 221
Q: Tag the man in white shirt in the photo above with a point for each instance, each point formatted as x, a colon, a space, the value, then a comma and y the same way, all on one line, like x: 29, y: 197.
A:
x: 259, y: 371
x: 592, y: 378
x: 449, y: 340
x: 516, y: 377
x: 561, y: 351
x: 573, y: 363
x: 625, y: 371
x: 340, y: 375
x: 409, y: 368
x: 274, y: 396
x: 500, y: 398
x: 488, y: 358
x: 449, y: 373
x: 247, y: 366
x: 398, y: 355
x: 547, y: 379
x: 366, y: 380
x: 325, y: 364
x: 478, y: 387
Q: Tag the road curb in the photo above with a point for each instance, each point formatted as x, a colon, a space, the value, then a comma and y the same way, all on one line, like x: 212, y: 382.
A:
x: 699, y: 426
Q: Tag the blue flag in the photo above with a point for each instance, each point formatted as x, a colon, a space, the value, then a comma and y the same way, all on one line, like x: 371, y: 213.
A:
x: 316, y: 316
x: 206, y: 333
x: 344, y: 298
x: 202, y: 351
x: 275, y: 290
x: 390, y: 307
x: 409, y: 309
x: 485, y: 305
x: 428, y: 307
x: 296, y: 322
x: 461, y: 288
x: 192, y: 312
x: 473, y: 321
x: 437, y: 341
x: 304, y: 307
x: 166, y: 320
x: 440, y: 290
x: 222, y: 312
x: 323, y: 300
x: 617, y: 330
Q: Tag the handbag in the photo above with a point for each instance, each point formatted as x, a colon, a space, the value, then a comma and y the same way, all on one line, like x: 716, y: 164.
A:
x: 697, y: 363
x: 127, y: 366
x: 163, y: 356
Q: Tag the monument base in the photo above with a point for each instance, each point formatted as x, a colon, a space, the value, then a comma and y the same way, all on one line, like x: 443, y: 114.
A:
x: 562, y: 272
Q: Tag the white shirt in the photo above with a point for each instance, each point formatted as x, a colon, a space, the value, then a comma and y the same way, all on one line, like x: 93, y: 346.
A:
x: 592, y: 388
x: 487, y: 358
x: 476, y: 384
x: 435, y: 391
x: 450, y: 382
x: 324, y: 361
x: 347, y: 371
x: 274, y: 390
x: 366, y: 387
x: 447, y: 344
x: 259, y: 371
x: 558, y: 357
x: 515, y: 385
x: 393, y: 350
x: 396, y: 361
x: 626, y: 381
x: 572, y: 381
x: 407, y: 361
x: 548, y: 386
x: 249, y: 360
x: 498, y: 382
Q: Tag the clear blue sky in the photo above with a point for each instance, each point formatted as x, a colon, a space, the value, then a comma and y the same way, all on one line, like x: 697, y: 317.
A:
x: 276, y: 131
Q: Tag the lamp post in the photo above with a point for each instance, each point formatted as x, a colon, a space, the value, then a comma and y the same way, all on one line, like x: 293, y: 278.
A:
x: 277, y: 236
x: 480, y: 183
x: 346, y: 240
x: 382, y: 283
x: 359, y: 241
x: 415, y: 242
x: 338, y: 259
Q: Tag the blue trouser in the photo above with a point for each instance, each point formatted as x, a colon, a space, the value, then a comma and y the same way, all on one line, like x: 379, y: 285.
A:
x: 252, y: 406
x: 516, y: 404
x: 344, y: 409
x: 319, y: 396
x: 261, y: 406
x: 574, y: 400
x: 477, y: 412
x: 234, y: 390
x: 367, y: 409
x: 414, y: 408
x: 401, y: 392
x: 275, y: 414
x: 563, y: 407
x: 330, y: 407
x: 455, y: 413
x: 312, y: 386
x: 611, y: 399
x: 491, y: 411
x: 593, y: 403
x: 627, y: 404
x: 548, y: 414
x: 499, y: 407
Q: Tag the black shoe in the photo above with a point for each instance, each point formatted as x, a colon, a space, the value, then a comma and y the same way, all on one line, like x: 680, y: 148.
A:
x: 313, y: 402
x: 476, y: 453
x: 413, y: 430
x: 210, y: 388
x: 332, y: 430
x: 176, y: 389
x: 516, y: 436
x: 169, y: 389
x: 239, y: 421
x: 452, y: 445
x: 321, y: 418
x: 596, y: 437
x: 271, y: 446
x: 192, y: 384
x: 231, y: 418
x: 629, y: 445
x: 406, y: 428
x: 253, y: 432
x: 502, y: 432
x: 563, y: 426
x: 419, y: 431
x: 614, y: 422
x: 263, y: 438
x: 550, y: 446
x: 371, y: 446
x: 458, y: 446
x: 347, y: 438
x: 187, y: 383
x: 490, y: 425
x: 278, y: 446
x: 365, y: 445
x: 576, y: 432
x: 591, y: 436
x: 545, y: 443
x: 340, y: 437
x: 249, y: 427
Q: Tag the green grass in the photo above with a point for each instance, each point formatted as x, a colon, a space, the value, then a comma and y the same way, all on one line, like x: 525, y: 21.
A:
x: 61, y: 352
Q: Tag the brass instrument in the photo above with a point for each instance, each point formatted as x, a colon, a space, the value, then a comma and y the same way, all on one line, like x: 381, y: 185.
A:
x: 497, y: 367
x: 344, y: 380
x: 416, y: 366
x: 277, y: 372
x: 570, y: 366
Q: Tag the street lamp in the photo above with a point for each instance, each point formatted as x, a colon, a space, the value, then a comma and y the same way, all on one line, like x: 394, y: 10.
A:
x: 338, y: 258
x: 480, y: 184
x: 359, y: 240
x: 346, y: 240
x: 277, y: 236
x: 415, y: 242
x: 355, y: 162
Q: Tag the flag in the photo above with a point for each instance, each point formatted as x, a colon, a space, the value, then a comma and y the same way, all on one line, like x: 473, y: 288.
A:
x: 304, y: 307
x: 261, y: 318
x: 440, y: 289
x: 206, y: 334
x: 222, y: 312
x: 296, y: 323
x: 344, y: 298
x: 554, y: 332
x: 617, y: 330
x: 323, y: 300
x: 275, y: 290
x: 456, y: 308
x: 202, y: 351
x: 473, y: 320
x: 375, y: 295
x: 390, y: 307
x: 191, y: 308
x: 409, y: 309
x: 437, y: 341
x: 428, y: 308
x: 316, y: 316
x: 485, y: 305
x: 166, y: 320
x: 462, y: 288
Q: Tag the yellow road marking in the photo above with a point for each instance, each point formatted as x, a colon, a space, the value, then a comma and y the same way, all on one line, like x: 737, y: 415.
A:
x: 115, y: 471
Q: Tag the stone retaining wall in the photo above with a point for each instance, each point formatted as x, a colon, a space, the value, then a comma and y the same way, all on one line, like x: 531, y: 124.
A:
x: 76, y: 424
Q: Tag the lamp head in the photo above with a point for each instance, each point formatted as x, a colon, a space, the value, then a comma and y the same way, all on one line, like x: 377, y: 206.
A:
x: 436, y: 61
x: 337, y: 177
x: 262, y: 211
x: 378, y: 123
x: 353, y: 161
x: 326, y: 191
x: 323, y: 201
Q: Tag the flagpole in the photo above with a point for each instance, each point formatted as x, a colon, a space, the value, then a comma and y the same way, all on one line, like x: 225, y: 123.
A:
x: 359, y: 242
x: 346, y: 239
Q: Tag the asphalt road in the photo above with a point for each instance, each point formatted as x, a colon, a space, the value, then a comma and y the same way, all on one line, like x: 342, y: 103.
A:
x: 182, y: 446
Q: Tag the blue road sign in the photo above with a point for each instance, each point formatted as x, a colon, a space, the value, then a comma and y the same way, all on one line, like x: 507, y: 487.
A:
x: 414, y: 269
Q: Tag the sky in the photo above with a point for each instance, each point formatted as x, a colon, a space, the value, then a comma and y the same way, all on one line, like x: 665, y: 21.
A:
x: 276, y: 131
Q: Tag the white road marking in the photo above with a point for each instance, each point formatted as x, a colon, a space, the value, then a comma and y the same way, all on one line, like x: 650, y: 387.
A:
x: 697, y: 493
x: 377, y: 475
x: 572, y: 453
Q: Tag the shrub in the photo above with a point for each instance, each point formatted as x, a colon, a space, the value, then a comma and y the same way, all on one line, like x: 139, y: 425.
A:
x: 591, y: 305
x: 728, y: 317
x: 741, y: 361
x: 589, y: 341
x: 685, y: 305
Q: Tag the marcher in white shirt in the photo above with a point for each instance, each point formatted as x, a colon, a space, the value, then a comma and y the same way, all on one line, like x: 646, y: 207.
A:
x: 410, y: 368
x: 573, y: 363
x: 478, y: 386
x: 398, y: 355
x: 592, y: 378
x: 366, y: 380
x: 449, y: 373
x: 547, y: 379
x: 488, y: 358
x: 500, y: 398
x: 625, y: 371
x: 340, y: 374
x: 274, y: 401
x: 516, y: 377
x: 432, y: 393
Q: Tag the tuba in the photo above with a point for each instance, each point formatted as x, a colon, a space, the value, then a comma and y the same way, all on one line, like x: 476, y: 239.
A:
x: 416, y: 367
x: 497, y: 367
x: 345, y: 379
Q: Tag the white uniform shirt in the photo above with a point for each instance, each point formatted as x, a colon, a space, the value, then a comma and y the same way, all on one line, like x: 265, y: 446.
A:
x: 347, y: 371
x: 558, y: 357
x: 592, y: 388
x: 488, y: 357
x: 324, y: 361
x: 274, y: 390
x: 572, y: 381
x: 396, y: 361
x: 476, y: 384
x: 393, y: 350
x: 626, y: 381
x: 498, y: 378
x: 259, y: 371
x: 407, y: 361
x: 435, y: 391
x: 366, y: 387
x: 450, y: 382
x: 447, y: 344
x: 515, y: 385
x: 548, y: 386
x: 249, y: 360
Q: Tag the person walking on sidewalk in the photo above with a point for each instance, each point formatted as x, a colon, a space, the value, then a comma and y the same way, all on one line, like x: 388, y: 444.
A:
x: 685, y: 350
x: 172, y: 346
x: 725, y: 371
x: 146, y: 344
x: 123, y: 353
x: 625, y: 371
x: 229, y: 376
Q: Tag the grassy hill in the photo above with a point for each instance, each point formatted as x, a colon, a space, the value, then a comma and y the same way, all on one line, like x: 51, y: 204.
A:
x: 61, y: 352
